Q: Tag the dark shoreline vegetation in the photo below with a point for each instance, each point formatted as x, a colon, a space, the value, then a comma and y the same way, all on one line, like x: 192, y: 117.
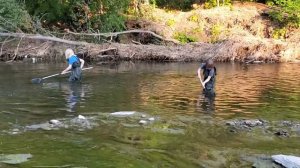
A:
x: 266, y: 31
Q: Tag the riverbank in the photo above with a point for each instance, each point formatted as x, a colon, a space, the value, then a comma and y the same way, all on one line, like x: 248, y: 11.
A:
x: 247, y: 49
x: 240, y: 33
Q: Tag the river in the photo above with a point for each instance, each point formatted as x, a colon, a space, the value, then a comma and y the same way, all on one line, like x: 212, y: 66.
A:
x: 188, y: 130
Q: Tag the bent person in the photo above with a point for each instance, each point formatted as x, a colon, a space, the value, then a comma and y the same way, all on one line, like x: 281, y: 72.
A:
x: 209, y: 75
x: 75, y: 64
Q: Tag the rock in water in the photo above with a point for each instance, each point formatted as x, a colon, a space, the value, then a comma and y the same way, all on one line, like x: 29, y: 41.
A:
x: 123, y: 113
x: 142, y: 122
x: 287, y: 160
x: 81, y: 117
x: 14, y: 158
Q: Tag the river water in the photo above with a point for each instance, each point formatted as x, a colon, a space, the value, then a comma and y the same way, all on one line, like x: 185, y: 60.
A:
x: 189, y: 130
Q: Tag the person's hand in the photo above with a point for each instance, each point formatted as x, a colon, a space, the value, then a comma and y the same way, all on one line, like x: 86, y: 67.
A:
x: 63, y: 72
x: 203, y: 85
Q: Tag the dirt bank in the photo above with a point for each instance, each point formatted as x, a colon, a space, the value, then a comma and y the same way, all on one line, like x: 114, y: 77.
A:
x: 234, y: 49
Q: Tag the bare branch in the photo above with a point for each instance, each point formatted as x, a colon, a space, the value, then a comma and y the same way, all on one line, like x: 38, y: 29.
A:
x: 124, y: 32
x: 16, y: 51
x: 40, y: 37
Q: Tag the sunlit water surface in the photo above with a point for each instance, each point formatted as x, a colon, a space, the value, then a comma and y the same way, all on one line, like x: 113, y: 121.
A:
x: 168, y: 91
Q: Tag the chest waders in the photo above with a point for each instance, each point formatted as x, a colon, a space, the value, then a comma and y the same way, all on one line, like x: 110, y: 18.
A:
x: 75, y: 72
x: 210, y: 85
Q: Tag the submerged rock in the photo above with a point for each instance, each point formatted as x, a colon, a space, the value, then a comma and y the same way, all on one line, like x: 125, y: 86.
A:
x: 122, y: 113
x: 261, y: 161
x: 169, y: 130
x: 55, y: 122
x: 79, y: 122
x: 43, y: 126
x: 287, y: 161
x: 14, y: 158
x: 278, y: 128
x: 151, y: 119
x: 246, y: 124
x: 282, y: 133
x: 143, y: 122
x: 133, y: 117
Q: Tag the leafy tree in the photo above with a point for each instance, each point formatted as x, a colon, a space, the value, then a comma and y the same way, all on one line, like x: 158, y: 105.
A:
x: 80, y: 15
x: 13, y: 17
x: 174, y: 4
x: 215, y: 3
x: 286, y: 12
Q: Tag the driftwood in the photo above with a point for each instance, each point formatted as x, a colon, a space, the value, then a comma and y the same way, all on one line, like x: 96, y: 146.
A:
x: 114, y: 34
x: 109, y: 49
x: 40, y: 37
x: 233, y: 49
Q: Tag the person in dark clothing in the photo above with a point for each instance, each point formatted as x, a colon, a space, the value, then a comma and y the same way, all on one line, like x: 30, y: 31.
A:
x: 209, y: 75
x: 75, y: 64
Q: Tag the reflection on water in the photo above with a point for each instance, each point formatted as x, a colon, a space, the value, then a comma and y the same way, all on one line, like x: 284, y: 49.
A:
x: 74, y: 94
x: 206, y: 103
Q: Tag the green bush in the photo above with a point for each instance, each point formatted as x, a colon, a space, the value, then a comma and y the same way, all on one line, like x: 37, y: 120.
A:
x: 170, y: 22
x: 194, y: 18
x: 215, y: 33
x: 184, y: 38
x: 13, y: 17
x: 213, y: 3
x: 279, y: 33
x: 286, y: 12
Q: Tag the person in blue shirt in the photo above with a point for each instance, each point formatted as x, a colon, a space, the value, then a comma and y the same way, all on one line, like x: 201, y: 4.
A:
x: 209, y: 75
x: 75, y: 64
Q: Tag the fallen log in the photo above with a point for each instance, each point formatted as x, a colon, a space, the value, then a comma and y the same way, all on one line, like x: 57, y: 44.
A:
x: 114, y: 34
x: 40, y: 37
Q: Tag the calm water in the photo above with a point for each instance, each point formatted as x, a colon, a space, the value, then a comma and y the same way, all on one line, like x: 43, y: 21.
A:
x: 168, y: 91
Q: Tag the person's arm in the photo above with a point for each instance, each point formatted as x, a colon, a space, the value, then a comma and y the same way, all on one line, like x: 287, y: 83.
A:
x: 67, y: 69
x: 207, y: 80
x: 199, y: 76
x: 82, y: 63
x: 211, y: 73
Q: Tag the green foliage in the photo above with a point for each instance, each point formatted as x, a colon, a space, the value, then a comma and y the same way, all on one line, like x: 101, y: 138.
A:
x: 286, y: 12
x: 80, y: 15
x: 13, y: 17
x: 194, y: 18
x: 112, y: 19
x: 175, y: 4
x: 213, y: 3
x: 184, y: 38
x: 147, y: 12
x: 279, y: 33
x: 215, y: 33
x: 170, y: 22
x: 198, y: 30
